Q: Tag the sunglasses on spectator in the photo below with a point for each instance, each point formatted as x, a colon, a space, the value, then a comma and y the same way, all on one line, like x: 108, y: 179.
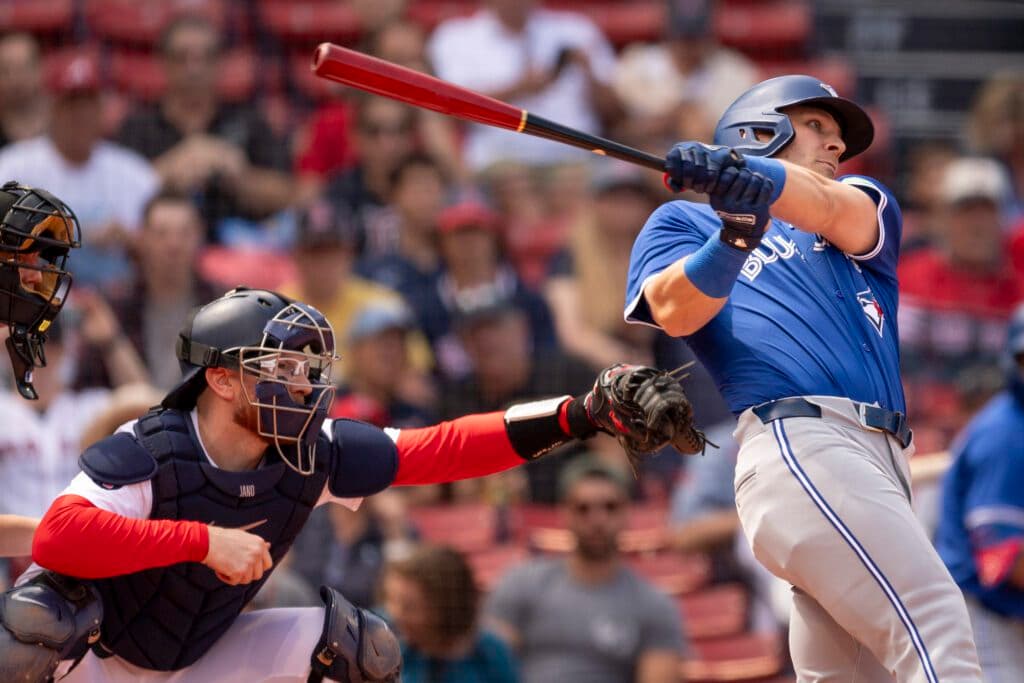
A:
x: 607, y: 506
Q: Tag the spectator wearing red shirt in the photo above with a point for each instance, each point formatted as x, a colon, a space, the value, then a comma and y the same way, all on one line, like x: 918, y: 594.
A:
x: 956, y: 298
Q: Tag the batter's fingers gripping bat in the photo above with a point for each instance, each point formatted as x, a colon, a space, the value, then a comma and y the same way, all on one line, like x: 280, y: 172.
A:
x: 381, y: 77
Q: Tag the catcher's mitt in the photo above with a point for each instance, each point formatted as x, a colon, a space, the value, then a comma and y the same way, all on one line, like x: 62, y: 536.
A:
x: 645, y: 409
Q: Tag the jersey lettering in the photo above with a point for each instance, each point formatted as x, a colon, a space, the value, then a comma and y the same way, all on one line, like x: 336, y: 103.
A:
x: 772, y: 248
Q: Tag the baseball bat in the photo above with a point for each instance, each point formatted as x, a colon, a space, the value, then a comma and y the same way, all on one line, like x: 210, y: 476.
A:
x: 381, y: 77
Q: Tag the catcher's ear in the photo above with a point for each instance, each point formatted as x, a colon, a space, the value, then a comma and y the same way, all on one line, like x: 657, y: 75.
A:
x: 222, y: 382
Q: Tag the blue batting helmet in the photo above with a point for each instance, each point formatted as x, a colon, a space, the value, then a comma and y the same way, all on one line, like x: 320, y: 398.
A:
x: 760, y: 108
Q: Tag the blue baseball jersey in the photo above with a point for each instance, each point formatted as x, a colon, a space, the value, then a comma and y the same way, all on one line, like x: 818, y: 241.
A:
x: 983, y: 500
x: 804, y: 318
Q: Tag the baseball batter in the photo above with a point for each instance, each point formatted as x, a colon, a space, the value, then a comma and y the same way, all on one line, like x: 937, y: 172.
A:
x: 785, y: 287
x: 178, y: 519
x: 981, y: 528
x: 37, y: 233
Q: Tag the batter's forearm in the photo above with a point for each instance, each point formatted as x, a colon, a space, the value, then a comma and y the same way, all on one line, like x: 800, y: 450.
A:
x: 81, y: 540
x: 676, y: 304
x: 840, y: 213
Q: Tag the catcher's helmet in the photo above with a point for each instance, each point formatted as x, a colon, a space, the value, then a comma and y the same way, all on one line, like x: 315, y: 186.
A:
x: 274, y: 339
x: 37, y: 231
x: 760, y: 108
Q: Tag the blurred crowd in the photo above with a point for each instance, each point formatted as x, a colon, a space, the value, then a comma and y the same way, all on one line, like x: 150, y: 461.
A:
x: 463, y: 268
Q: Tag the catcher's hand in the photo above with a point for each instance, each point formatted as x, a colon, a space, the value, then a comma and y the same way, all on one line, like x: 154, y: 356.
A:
x: 645, y: 409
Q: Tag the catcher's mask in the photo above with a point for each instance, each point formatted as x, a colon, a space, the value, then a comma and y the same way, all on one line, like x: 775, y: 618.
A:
x: 290, y: 354
x: 37, y: 232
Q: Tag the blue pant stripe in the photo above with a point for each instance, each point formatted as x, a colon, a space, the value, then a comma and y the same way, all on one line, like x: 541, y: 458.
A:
x: 851, y: 540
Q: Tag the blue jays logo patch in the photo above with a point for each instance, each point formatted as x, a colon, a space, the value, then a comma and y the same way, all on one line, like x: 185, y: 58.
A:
x: 872, y: 310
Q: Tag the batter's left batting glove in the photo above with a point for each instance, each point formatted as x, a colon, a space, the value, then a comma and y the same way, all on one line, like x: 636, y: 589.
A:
x: 644, y: 408
x: 741, y: 200
x: 696, y: 166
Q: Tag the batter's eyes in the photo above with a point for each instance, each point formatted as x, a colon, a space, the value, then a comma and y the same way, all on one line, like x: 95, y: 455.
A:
x: 815, y: 124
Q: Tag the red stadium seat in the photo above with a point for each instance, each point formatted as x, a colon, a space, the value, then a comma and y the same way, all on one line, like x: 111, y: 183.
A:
x: 672, y: 573
x: 430, y: 13
x: 468, y: 527
x: 252, y: 267
x: 308, y: 22
x: 36, y: 16
x: 141, y: 74
x: 490, y: 565
x: 838, y: 73
x: 131, y: 22
x: 748, y: 657
x: 771, y: 26
x: 715, y: 612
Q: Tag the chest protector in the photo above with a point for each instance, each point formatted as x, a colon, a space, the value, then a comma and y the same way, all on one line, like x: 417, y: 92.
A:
x: 168, y: 617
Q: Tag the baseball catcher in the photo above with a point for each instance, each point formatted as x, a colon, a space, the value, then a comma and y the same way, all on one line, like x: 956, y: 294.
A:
x: 177, y: 520
x: 37, y: 232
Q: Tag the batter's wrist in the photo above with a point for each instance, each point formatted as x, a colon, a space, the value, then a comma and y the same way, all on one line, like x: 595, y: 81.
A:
x: 773, y: 169
x: 713, y: 268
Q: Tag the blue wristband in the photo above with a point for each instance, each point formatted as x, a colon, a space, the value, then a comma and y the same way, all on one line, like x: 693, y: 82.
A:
x: 770, y: 168
x: 713, y: 268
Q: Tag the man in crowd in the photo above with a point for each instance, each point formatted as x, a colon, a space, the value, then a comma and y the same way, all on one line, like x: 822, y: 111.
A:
x: 106, y: 183
x: 226, y: 154
x: 24, y: 111
x: 587, y: 617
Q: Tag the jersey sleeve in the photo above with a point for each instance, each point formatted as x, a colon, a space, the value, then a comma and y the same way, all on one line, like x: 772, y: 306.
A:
x: 668, y: 235
x: 884, y: 255
x: 994, y: 512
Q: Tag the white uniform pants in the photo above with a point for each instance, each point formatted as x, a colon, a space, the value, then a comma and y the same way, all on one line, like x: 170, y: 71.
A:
x: 825, y: 505
x: 263, y: 646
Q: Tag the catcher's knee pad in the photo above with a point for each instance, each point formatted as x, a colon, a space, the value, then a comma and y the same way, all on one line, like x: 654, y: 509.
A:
x: 45, y: 620
x: 356, y: 646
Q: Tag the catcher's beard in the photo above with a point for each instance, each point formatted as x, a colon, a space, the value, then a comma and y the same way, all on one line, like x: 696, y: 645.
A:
x: 246, y: 415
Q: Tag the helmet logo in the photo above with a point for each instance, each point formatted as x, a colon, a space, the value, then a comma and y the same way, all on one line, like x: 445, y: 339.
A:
x: 829, y: 89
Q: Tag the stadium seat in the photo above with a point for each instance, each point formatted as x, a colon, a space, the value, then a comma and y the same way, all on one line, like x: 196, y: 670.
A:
x: 491, y: 564
x: 673, y: 573
x: 838, y: 73
x: 764, y: 28
x: 36, y: 16
x: 307, y: 22
x: 130, y: 22
x: 430, y: 13
x: 715, y: 612
x: 468, y: 527
x: 749, y: 657
x: 253, y: 267
x: 141, y: 74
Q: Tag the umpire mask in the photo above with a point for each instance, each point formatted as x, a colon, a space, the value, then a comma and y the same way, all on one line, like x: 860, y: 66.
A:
x: 37, y: 232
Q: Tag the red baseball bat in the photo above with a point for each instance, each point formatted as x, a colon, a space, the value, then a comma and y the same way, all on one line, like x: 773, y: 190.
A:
x: 381, y: 77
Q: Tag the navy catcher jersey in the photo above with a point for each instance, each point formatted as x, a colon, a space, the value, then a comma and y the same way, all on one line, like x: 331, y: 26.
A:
x: 983, y: 503
x: 803, y: 318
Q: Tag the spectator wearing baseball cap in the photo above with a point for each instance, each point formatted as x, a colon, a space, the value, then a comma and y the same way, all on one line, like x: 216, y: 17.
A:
x: 377, y: 366
x: 955, y: 299
x: 324, y: 253
x: 474, y: 271
x: 107, y: 184
x: 505, y: 369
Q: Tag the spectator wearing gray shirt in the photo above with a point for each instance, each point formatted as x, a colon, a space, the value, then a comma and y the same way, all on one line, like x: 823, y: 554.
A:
x: 587, y: 616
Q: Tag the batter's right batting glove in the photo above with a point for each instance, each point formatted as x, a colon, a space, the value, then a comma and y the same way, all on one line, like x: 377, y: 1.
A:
x: 741, y: 200
x: 645, y: 408
x: 696, y: 166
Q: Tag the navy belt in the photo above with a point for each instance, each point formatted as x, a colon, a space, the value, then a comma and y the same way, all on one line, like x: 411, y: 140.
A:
x: 872, y: 417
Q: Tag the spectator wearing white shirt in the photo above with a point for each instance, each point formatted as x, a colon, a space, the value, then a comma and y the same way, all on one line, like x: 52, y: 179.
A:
x: 553, y: 63
x: 107, y: 184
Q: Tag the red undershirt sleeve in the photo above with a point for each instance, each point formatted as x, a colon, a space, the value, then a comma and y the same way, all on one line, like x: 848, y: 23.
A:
x: 467, y: 447
x: 79, y: 539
